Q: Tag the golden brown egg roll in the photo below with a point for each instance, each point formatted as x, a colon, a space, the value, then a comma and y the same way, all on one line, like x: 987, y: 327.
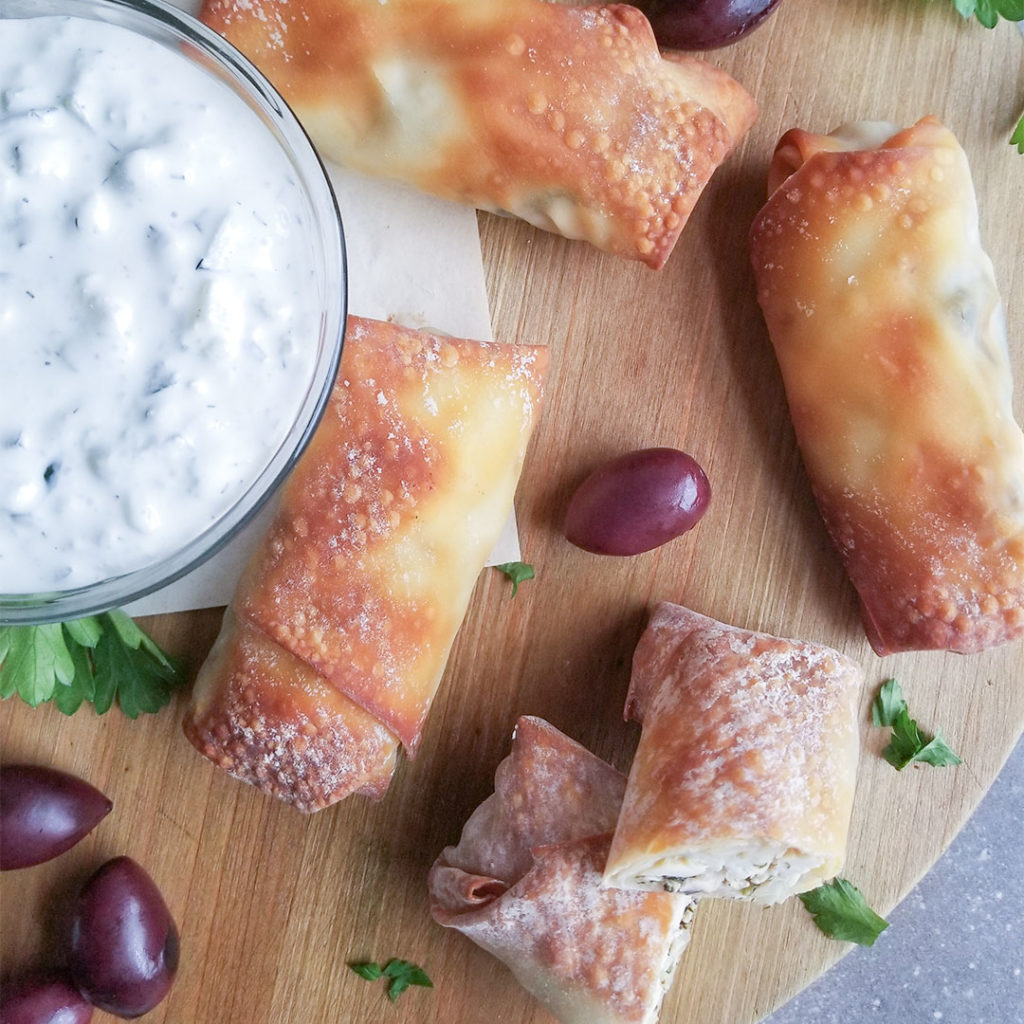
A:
x: 565, y: 116
x: 743, y: 780
x: 363, y: 579
x: 886, y: 319
x: 268, y: 718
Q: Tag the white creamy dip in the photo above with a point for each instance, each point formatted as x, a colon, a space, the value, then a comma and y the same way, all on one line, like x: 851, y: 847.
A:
x: 159, y: 311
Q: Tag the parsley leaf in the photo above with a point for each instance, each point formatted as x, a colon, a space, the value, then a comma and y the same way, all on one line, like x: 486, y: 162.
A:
x: 516, y: 572
x: 35, y: 659
x: 85, y: 631
x: 841, y: 912
x: 908, y: 744
x: 96, y: 660
x: 82, y: 688
x: 369, y: 971
x: 988, y: 12
x: 403, y: 974
x: 1017, y: 138
x: 400, y: 974
x: 129, y: 664
x: 888, y: 704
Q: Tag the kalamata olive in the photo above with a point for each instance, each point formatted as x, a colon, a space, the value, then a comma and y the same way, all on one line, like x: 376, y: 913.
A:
x: 42, y: 997
x: 124, y: 943
x: 44, y: 812
x: 703, y: 24
x: 637, y: 501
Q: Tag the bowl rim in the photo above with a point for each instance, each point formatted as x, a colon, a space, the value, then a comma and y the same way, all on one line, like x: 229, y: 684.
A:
x: 168, y: 25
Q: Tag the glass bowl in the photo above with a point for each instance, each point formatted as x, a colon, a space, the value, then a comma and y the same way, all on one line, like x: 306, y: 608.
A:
x: 193, y: 42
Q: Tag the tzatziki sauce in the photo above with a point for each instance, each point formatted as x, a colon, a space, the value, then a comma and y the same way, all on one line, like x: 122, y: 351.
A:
x: 159, y: 304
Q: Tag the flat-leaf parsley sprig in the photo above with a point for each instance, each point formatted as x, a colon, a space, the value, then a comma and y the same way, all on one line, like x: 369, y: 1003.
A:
x: 517, y: 572
x: 908, y: 743
x: 841, y: 912
x: 400, y: 974
x: 95, y: 660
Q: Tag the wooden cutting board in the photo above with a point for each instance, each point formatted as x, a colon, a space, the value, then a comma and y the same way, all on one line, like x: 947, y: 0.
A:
x: 271, y: 904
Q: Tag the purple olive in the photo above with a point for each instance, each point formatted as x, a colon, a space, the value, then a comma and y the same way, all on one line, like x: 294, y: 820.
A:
x: 703, y: 24
x: 44, y: 812
x: 42, y: 997
x: 637, y: 501
x: 124, y: 943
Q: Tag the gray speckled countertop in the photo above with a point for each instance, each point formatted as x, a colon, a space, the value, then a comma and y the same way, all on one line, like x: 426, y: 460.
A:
x: 954, y: 949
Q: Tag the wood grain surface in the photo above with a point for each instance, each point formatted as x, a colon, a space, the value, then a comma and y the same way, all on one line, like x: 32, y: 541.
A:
x: 272, y: 904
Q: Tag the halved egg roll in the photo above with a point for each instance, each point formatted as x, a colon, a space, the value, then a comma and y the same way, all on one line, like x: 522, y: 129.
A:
x: 743, y: 781
x: 565, y: 116
x: 524, y: 883
x: 339, y: 630
x: 887, y: 323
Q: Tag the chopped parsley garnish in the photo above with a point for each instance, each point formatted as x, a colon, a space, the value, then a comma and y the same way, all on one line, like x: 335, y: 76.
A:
x: 96, y: 660
x: 517, y: 572
x: 908, y: 743
x: 841, y: 912
x: 1017, y: 138
x: 400, y: 974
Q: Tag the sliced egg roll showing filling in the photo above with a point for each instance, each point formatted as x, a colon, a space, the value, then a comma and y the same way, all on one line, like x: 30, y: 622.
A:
x: 886, y: 319
x: 339, y: 630
x: 743, y: 780
x: 566, y: 116
x: 524, y: 883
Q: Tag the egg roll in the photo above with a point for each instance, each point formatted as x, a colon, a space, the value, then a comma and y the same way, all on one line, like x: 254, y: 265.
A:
x: 524, y: 883
x: 268, y: 718
x: 567, y: 117
x: 743, y: 780
x: 885, y: 316
x: 339, y: 630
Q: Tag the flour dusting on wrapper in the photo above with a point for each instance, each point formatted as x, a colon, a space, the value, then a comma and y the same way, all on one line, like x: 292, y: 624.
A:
x: 524, y: 883
x: 742, y: 785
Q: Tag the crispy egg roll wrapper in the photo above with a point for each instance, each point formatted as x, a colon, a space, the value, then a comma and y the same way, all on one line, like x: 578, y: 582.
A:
x: 743, y: 781
x: 524, y: 883
x: 367, y: 568
x: 886, y: 319
x: 269, y: 719
x: 565, y: 116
